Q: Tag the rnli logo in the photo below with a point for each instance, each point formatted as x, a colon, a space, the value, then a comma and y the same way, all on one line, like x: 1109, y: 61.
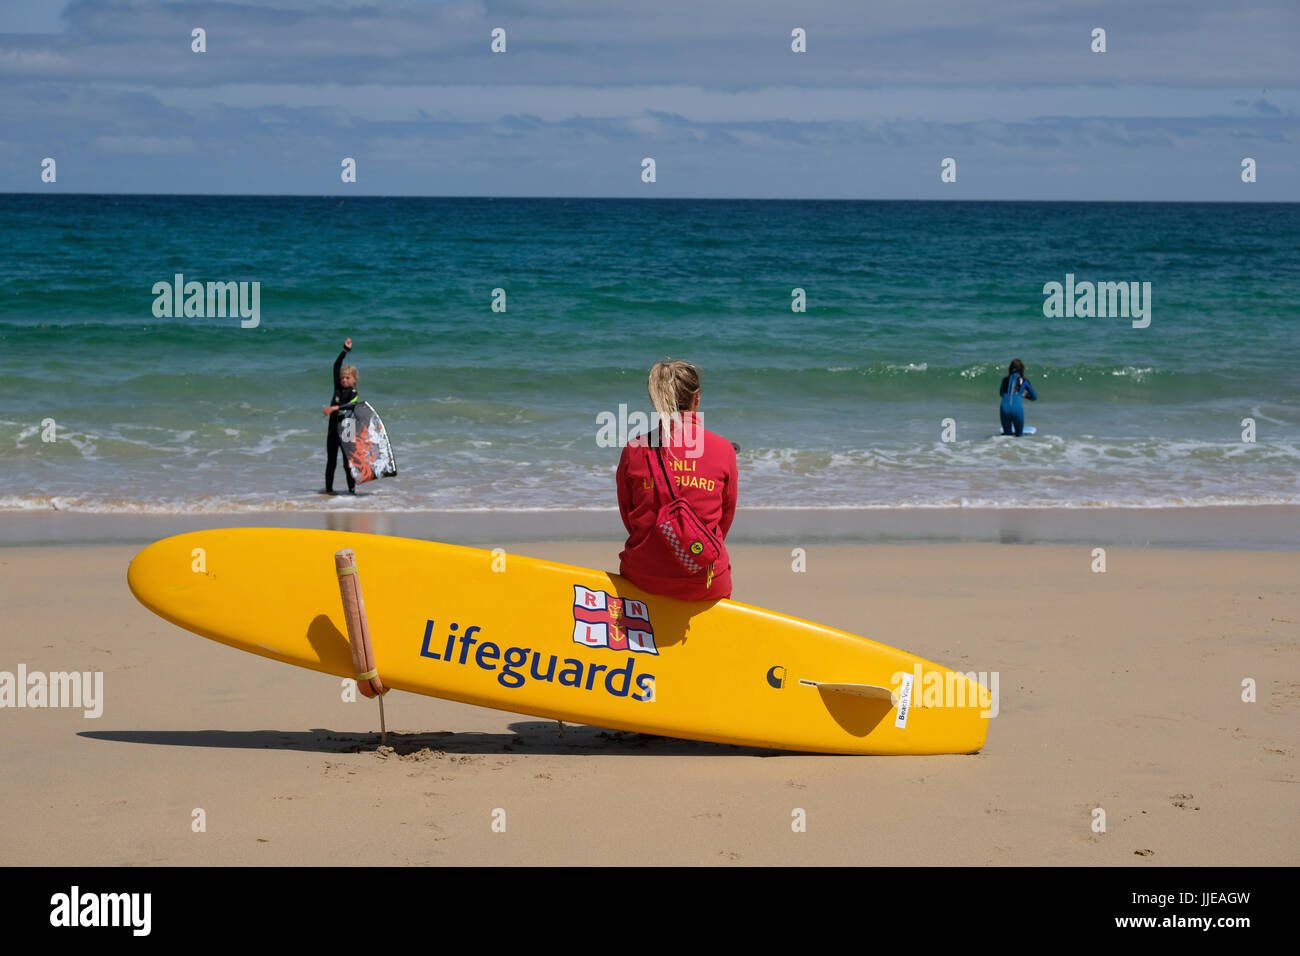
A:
x: 601, y: 619
x: 697, y: 547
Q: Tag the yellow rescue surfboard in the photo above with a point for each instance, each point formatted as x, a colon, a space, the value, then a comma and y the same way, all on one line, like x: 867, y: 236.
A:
x: 535, y: 637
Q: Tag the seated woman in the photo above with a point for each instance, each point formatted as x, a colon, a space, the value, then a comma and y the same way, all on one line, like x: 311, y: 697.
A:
x: 702, y: 468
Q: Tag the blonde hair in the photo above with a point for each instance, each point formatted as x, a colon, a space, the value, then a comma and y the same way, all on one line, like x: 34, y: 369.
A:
x: 673, y: 386
x: 349, y: 370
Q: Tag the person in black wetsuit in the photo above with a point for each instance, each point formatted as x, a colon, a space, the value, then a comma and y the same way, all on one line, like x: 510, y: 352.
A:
x: 345, y: 393
x: 1015, y: 388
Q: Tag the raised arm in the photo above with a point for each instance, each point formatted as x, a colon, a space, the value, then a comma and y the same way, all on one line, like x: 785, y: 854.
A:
x: 338, y: 364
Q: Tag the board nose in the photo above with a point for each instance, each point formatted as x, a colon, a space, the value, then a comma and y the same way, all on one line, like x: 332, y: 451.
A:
x: 160, y: 568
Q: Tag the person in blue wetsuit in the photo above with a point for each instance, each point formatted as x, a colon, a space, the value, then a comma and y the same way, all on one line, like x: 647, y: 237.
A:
x: 1015, y: 387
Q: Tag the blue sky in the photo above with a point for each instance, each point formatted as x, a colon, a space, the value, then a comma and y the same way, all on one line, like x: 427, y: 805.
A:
x: 709, y: 88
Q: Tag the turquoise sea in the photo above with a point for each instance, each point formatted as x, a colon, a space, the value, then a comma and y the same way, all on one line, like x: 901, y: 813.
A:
x: 913, y: 311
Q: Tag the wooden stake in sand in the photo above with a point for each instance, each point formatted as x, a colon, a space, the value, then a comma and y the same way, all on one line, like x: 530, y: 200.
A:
x: 354, y: 613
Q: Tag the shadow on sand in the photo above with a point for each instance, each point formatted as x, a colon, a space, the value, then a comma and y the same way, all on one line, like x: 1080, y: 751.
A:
x: 532, y: 736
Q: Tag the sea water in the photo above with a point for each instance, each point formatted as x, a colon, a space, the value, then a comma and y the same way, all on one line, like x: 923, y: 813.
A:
x: 881, y: 393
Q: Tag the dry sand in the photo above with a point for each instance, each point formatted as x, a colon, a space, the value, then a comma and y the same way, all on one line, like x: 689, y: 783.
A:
x: 1120, y: 690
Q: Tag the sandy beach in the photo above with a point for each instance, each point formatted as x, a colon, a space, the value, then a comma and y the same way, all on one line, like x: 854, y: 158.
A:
x: 1119, y: 690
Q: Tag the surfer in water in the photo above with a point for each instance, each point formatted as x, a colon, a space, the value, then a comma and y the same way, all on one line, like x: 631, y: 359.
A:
x: 1015, y: 387
x: 345, y: 393
x: 702, y: 468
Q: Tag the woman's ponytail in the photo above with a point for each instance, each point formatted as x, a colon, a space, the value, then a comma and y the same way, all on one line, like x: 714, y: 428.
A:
x: 672, y: 386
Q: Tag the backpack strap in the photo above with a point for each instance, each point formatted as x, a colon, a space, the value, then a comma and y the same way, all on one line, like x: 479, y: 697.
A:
x: 672, y: 496
x: 667, y: 480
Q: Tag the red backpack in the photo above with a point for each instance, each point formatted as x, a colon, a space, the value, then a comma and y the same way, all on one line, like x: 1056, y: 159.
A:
x: 687, y: 537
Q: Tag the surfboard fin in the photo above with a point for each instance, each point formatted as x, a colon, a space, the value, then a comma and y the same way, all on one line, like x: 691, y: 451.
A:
x: 872, y: 691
